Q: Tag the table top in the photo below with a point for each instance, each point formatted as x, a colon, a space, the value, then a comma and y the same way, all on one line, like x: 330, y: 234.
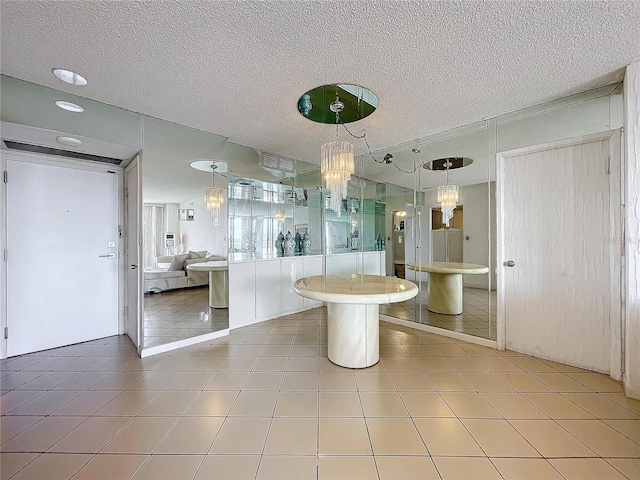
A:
x: 449, y: 267
x: 352, y: 288
x: 212, y: 266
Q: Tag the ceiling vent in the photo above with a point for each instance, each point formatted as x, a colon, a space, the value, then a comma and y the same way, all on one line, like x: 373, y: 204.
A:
x: 357, y: 182
x: 280, y: 166
x: 25, y: 147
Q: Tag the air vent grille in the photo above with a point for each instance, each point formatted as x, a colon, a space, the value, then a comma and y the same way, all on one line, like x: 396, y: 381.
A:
x: 278, y: 163
x: 60, y: 153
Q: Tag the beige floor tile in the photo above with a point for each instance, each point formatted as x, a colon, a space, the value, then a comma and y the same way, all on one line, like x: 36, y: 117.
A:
x: 39, y: 437
x: 337, y: 382
x: 466, y: 468
x: 13, y: 462
x: 271, y: 364
x: 121, y: 380
x: 513, y: 406
x: 87, y: 403
x: 297, y: 404
x: 469, y: 405
x: 550, y: 439
x: 426, y: 404
x: 531, y: 364
x: 303, y: 363
x: 557, y: 406
x: 343, y: 436
x: 601, y: 438
x: 142, y: 435
x: 212, y: 403
x: 292, y: 436
x: 90, y: 436
x: 585, y: 469
x: 499, y: 364
x: 479, y: 350
x: 10, y: 426
x: 561, y: 382
x: 12, y: 400
x: 498, y: 438
x: 629, y: 428
x: 83, y: 381
x: 263, y: 381
x: 525, y: 469
x: 254, y: 403
x: 448, y: 381
x: 340, y: 404
x: 283, y: 467
x: 169, y: 467
x: 191, y: 380
x: 45, y: 404
x: 210, y: 364
x: 238, y: 364
x: 346, y: 468
x: 241, y: 436
x: 110, y: 466
x: 433, y: 364
x: 169, y: 402
x: 420, y: 351
x: 300, y: 381
x: 600, y: 406
x: 228, y: 467
x: 406, y: 468
x: 447, y: 437
x: 621, y: 399
x: 411, y: 381
x: 485, y: 382
x: 383, y: 404
x: 400, y: 364
x: 128, y: 403
x: 395, y: 436
x: 227, y: 381
x: 46, y: 381
x: 52, y: 466
x: 373, y: 382
x: 598, y: 381
x: 523, y: 382
x: 466, y: 364
x: 191, y: 435
x: 629, y: 467
x: 449, y: 350
x: 248, y: 350
x: 176, y: 362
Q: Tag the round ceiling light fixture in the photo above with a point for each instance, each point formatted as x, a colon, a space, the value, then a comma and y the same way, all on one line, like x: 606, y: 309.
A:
x: 69, y: 77
x: 205, y: 165
x: 71, y: 141
x: 68, y: 106
x: 349, y: 103
x: 449, y: 163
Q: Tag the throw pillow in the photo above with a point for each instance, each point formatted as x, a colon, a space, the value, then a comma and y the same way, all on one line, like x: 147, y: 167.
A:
x: 178, y: 262
x: 200, y: 254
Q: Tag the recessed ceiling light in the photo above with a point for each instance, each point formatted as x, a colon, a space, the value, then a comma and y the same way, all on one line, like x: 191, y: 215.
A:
x: 69, y: 77
x: 74, y: 142
x: 68, y: 106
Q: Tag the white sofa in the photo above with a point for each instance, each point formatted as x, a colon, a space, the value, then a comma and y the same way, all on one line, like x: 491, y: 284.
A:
x: 171, y: 272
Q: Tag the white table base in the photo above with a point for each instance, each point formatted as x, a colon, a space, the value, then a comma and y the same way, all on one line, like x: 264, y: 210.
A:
x: 445, y: 293
x: 219, y: 288
x: 353, y: 334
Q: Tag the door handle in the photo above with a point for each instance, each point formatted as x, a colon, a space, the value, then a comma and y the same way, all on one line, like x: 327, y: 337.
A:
x: 133, y: 267
x: 509, y: 263
x: 108, y: 255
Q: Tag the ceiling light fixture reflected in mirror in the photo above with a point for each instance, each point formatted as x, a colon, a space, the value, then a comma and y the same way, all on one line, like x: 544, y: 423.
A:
x: 68, y: 106
x: 71, y: 141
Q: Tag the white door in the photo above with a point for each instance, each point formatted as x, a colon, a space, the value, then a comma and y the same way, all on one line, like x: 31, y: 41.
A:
x: 132, y: 252
x: 62, y: 264
x: 556, y: 222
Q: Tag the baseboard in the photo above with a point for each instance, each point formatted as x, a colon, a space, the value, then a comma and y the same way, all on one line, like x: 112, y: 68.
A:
x: 629, y: 391
x: 167, y: 347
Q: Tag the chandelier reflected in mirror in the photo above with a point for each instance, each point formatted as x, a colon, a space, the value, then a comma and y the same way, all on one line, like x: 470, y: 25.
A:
x: 448, y: 194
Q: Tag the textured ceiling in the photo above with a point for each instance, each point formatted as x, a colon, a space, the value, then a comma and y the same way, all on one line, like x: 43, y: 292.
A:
x: 237, y: 68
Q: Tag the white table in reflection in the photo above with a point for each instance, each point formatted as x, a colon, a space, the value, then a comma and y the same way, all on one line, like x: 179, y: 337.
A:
x: 353, y: 306
x: 218, y: 281
x: 445, y: 284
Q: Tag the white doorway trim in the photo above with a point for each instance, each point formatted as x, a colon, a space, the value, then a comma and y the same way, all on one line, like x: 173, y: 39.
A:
x: 614, y: 240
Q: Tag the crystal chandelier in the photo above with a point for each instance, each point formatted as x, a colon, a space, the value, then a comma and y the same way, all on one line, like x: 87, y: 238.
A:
x: 447, y: 197
x: 281, y: 215
x: 213, y: 196
x: 337, y: 164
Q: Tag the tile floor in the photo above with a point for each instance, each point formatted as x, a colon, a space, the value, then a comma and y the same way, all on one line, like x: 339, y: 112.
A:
x: 478, y: 318
x: 266, y: 403
x: 175, y: 315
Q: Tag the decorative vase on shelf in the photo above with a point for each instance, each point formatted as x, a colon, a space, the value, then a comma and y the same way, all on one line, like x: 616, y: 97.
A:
x: 289, y: 244
x: 306, y: 244
x: 298, y: 240
x: 279, y: 245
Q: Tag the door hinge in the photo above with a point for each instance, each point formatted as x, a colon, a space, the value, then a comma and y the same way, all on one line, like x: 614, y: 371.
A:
x: 5, y: 254
x: 119, y: 231
x: 126, y: 312
x: 6, y: 332
x: 6, y: 176
x: 607, y: 166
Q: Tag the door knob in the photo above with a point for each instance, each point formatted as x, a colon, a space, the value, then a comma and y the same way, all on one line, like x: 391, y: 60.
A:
x: 509, y: 263
x: 133, y: 267
x: 108, y: 255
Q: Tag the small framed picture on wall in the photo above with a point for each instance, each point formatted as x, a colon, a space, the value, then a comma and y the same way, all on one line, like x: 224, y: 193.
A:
x: 185, y: 214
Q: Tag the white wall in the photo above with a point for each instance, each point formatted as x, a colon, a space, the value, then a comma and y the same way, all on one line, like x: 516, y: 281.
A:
x: 202, y: 233
x: 632, y: 242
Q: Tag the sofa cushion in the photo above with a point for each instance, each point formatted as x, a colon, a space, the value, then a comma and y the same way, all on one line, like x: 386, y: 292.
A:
x: 190, y: 261
x: 200, y: 254
x: 178, y: 262
x: 159, y: 273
